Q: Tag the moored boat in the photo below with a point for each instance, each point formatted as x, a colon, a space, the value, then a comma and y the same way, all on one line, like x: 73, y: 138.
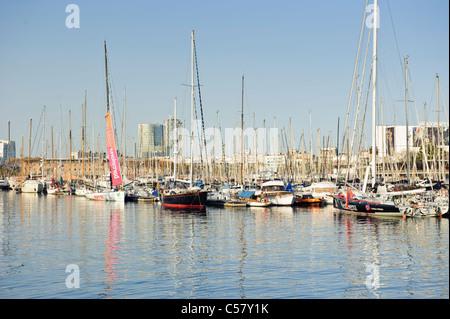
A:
x: 308, y: 200
x: 185, y: 199
x: 217, y: 198
x: 114, y: 165
x: 275, y: 192
x: 4, y: 185
x: 111, y: 195
x: 32, y: 186
x: 258, y: 202
x: 235, y: 203
x: 379, y: 205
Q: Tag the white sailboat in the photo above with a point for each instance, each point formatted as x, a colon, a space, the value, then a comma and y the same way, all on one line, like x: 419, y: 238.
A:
x: 116, y: 176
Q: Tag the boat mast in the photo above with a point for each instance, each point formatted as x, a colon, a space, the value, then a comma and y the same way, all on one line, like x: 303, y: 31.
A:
x: 175, y: 146
x: 107, y: 87
x: 192, y: 109
x: 83, y: 134
x: 107, y: 94
x: 29, y: 148
x: 407, y: 129
x: 242, y: 133
x: 70, y: 148
x: 374, y: 89
x: 60, y: 145
x: 124, y: 133
x: 43, y: 146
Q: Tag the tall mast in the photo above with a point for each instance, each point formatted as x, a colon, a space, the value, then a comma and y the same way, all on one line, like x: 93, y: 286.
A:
x: 60, y: 144
x: 83, y: 133
x: 242, y: 133
x: 192, y: 109
x: 43, y: 145
x: 175, y: 141
x: 107, y: 87
x: 29, y: 148
x: 438, y: 144
x: 53, y: 160
x: 70, y: 148
x: 374, y: 90
x: 407, y: 129
x: 124, y: 133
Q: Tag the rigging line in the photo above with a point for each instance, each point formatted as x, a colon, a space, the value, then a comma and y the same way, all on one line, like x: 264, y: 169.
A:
x: 395, y: 35
x: 365, y: 109
x: 414, y: 99
x: 201, y: 110
x: 354, y: 74
x: 34, y: 140
x: 431, y: 98
x: 199, y: 136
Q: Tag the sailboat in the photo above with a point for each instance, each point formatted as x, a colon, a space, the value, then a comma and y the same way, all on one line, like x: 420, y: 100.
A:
x: 115, y: 175
x: 365, y: 203
x: 184, y: 195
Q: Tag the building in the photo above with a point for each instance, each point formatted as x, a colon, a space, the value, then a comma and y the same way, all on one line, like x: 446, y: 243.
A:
x: 391, y: 140
x: 7, y: 151
x: 150, y: 140
x: 169, y: 137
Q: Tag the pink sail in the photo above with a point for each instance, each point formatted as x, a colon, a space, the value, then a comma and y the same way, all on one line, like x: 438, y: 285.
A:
x: 116, y: 176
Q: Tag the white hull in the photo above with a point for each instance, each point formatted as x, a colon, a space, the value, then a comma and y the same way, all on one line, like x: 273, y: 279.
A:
x: 55, y: 191
x: 117, y: 196
x: 282, y: 199
x: 14, y: 184
x: 32, y: 186
x: 82, y: 192
x: 258, y: 204
x: 276, y: 194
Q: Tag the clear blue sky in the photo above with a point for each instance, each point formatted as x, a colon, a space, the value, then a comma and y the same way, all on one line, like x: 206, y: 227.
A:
x: 296, y: 56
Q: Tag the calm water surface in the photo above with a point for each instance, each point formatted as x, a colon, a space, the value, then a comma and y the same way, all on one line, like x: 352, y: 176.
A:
x: 141, y: 250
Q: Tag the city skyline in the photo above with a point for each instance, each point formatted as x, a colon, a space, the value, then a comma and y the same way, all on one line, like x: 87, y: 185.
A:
x: 297, y: 57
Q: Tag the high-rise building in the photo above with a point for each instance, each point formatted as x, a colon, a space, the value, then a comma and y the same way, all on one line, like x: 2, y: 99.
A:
x: 150, y: 140
x: 169, y: 136
x: 7, y: 151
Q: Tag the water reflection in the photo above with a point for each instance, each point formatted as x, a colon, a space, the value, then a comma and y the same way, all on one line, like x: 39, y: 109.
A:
x: 136, y: 250
x: 113, y: 246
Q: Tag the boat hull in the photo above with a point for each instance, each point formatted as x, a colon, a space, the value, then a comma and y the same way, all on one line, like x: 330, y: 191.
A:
x: 55, y: 191
x: 258, y: 204
x: 118, y: 196
x: 32, y: 187
x: 280, y: 199
x: 235, y: 203
x: 366, y: 207
x: 189, y: 200
x: 309, y: 201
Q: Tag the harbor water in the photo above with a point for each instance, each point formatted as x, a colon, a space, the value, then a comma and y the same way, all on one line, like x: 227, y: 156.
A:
x: 69, y: 247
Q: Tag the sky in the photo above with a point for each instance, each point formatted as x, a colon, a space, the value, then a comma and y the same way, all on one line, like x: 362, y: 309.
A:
x: 297, y: 58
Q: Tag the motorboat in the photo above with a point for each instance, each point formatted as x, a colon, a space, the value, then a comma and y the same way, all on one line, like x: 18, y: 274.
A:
x: 275, y: 192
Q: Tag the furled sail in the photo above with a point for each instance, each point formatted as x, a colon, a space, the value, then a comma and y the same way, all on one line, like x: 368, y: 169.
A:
x: 116, y: 176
